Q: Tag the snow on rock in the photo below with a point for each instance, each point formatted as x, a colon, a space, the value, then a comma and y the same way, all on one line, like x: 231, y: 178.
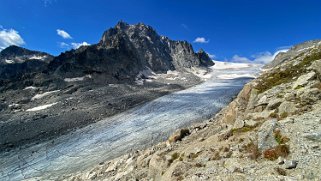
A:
x: 38, y: 108
x: 30, y: 88
x: 13, y: 105
x: 37, y: 57
x: 76, y: 79
x: 9, y: 61
x: 201, y: 73
x: 39, y: 96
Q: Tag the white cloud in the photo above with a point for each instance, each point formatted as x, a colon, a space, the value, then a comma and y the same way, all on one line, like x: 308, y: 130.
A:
x: 73, y: 45
x: 10, y: 37
x: 63, y: 34
x: 185, y: 26
x: 240, y: 59
x: 64, y: 45
x: 212, y: 56
x: 260, y: 58
x: 201, y: 40
x: 266, y: 57
x: 77, y: 45
x: 47, y: 3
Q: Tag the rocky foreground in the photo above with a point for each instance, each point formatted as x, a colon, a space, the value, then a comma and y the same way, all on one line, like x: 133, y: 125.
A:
x: 271, y: 131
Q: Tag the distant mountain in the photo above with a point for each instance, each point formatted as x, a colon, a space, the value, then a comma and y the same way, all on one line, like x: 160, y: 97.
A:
x: 14, y: 54
x: 125, y: 50
x: 17, y: 62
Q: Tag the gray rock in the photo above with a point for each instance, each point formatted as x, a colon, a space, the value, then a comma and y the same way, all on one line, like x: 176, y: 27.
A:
x: 304, y: 79
x: 316, y: 66
x: 265, y: 135
x: 291, y: 164
x: 313, y: 136
x: 238, y: 124
x: 273, y: 104
x: 250, y: 123
x: 287, y: 107
x: 290, y: 96
x: 311, y: 95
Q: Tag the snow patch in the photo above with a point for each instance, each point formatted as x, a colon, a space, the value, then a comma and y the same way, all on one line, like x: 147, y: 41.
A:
x: 38, y: 108
x: 13, y: 105
x: 170, y: 72
x: 76, y: 79
x: 38, y: 57
x: 30, y: 88
x: 9, y: 61
x: 39, y: 96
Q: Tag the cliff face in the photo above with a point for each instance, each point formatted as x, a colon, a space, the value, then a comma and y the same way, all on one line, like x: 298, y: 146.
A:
x: 271, y: 131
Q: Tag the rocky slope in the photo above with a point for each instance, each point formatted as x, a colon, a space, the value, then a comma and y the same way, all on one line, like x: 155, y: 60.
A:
x: 42, y: 96
x: 271, y: 131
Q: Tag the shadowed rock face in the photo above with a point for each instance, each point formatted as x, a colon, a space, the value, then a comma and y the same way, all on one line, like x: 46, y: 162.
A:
x: 14, y: 54
x: 125, y: 49
x: 20, y: 63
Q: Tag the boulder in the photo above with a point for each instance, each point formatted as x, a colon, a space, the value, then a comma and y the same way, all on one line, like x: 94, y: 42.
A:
x: 311, y: 95
x: 265, y: 135
x: 287, y: 107
x: 274, y: 103
x: 250, y: 123
x: 238, y: 124
x: 304, y: 79
x: 316, y: 66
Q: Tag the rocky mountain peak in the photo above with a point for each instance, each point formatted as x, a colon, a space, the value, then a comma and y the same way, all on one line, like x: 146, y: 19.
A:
x: 16, y: 54
x: 124, y: 50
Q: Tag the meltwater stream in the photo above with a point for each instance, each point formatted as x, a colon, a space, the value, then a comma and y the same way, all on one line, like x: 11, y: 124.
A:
x: 130, y: 130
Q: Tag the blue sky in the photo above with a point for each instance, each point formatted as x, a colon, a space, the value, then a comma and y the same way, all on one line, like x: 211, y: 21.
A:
x: 228, y: 29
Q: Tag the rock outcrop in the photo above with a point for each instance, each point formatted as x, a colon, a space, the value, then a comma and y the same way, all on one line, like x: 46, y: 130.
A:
x: 271, y: 131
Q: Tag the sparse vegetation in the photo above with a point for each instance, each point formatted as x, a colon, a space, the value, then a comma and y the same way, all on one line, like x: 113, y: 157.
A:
x: 243, y: 129
x: 279, y: 138
x: 284, y: 115
x: 175, y: 156
x: 199, y: 165
x: 194, y: 155
x: 253, y: 150
x: 280, y: 171
x: 274, y: 153
x: 216, y: 156
x: 277, y: 77
x: 274, y: 115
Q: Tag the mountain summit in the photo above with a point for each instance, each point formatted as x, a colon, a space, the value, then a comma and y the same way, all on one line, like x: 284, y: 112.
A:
x: 125, y: 50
